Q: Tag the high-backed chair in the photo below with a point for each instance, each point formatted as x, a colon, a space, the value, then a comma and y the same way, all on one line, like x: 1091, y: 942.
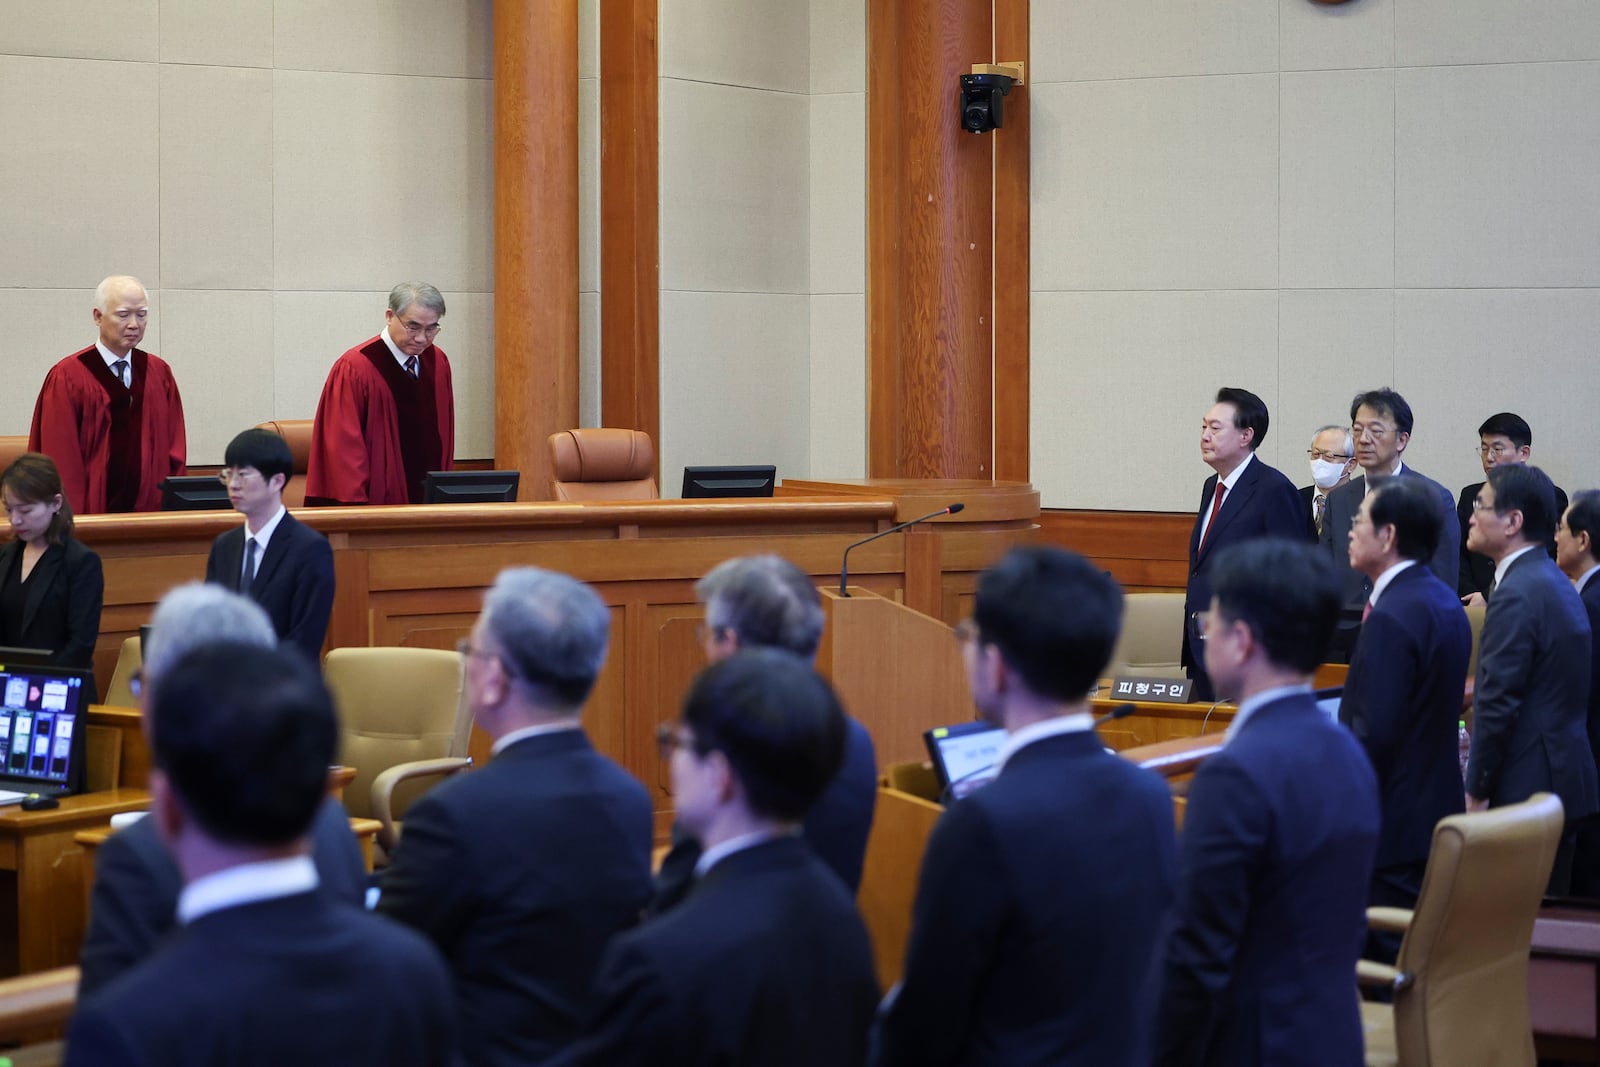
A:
x: 12, y: 446
x: 1152, y: 636
x: 1460, y: 983
x: 602, y: 463
x: 298, y: 433
x: 119, y: 694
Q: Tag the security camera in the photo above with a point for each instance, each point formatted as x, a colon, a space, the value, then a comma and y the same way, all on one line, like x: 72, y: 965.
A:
x: 981, y: 99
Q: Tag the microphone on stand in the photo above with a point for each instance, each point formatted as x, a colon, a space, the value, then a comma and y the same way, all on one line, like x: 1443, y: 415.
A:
x: 1121, y: 711
x: 844, y: 564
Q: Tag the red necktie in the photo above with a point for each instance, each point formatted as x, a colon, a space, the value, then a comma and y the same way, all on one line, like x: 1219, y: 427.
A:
x: 1366, y: 609
x: 1216, y: 506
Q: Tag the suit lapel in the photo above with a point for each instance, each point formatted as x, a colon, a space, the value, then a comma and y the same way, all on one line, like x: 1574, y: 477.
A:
x: 1200, y: 517
x: 1233, y: 505
x: 277, y: 548
x: 231, y: 559
x: 45, y: 574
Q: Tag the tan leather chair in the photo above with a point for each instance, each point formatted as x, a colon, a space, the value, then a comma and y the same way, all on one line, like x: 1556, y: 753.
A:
x: 1152, y: 636
x: 602, y: 464
x: 298, y: 433
x: 1461, y: 981
x: 119, y: 694
x: 12, y: 446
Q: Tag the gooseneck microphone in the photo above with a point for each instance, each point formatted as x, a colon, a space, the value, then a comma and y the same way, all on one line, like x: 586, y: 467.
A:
x: 1121, y: 711
x: 844, y: 564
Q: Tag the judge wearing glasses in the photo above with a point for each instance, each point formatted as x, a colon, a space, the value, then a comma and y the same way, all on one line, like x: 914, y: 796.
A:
x: 387, y: 413
x: 274, y: 559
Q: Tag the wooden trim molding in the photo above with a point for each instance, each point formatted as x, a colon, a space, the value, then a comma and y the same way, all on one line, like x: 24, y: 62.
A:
x: 1012, y: 276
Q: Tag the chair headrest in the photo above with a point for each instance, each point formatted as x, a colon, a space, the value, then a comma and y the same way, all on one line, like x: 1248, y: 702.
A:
x: 601, y: 455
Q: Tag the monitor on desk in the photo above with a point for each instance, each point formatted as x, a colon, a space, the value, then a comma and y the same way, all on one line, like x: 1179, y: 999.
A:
x: 470, y: 487
x: 22, y: 657
x: 194, y: 492
x: 964, y: 756
x: 711, y: 483
x: 43, y: 712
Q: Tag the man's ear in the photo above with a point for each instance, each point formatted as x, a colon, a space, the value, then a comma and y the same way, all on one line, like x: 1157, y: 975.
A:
x: 165, y: 809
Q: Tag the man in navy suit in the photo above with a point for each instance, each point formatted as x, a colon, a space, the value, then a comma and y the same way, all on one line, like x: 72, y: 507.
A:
x: 1043, y: 894
x: 134, y: 905
x: 1380, y: 422
x: 768, y: 602
x: 1402, y: 697
x: 274, y: 559
x: 523, y: 871
x: 1278, y: 840
x: 1530, y: 700
x: 1504, y: 437
x: 264, y: 969
x: 766, y: 961
x: 1578, y: 556
x: 1244, y: 499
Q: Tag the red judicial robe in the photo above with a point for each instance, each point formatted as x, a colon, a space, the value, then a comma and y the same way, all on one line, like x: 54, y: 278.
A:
x: 113, y: 445
x: 377, y: 431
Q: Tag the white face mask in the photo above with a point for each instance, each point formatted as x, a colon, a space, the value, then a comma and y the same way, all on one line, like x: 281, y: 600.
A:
x: 1326, y: 473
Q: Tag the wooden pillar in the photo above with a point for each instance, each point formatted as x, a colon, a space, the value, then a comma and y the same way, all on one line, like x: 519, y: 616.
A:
x: 536, y: 232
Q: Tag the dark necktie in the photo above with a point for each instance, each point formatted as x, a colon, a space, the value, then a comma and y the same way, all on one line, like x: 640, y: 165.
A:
x: 1216, y: 506
x: 249, y: 573
x: 1321, y: 502
x: 120, y: 369
x: 411, y: 366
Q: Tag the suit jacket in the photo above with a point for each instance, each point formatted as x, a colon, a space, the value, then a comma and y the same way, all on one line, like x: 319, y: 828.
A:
x: 1343, y: 503
x: 302, y: 979
x: 294, y: 580
x: 1402, y: 699
x: 766, y: 963
x: 1530, y: 700
x: 62, y: 609
x: 1041, y: 904
x: 1273, y: 879
x: 134, y: 904
x: 1590, y: 595
x: 521, y: 873
x: 836, y: 827
x: 1477, y: 570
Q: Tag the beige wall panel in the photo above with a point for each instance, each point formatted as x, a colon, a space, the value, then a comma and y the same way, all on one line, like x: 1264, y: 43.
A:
x: 44, y: 325
x: 588, y: 38
x: 589, y: 359
x: 65, y: 123
x: 838, y: 46
x: 1332, y: 344
x: 839, y: 386
x: 1166, y: 183
x: 381, y: 178
x: 1336, y: 179
x: 735, y: 379
x: 216, y: 177
x: 439, y: 38
x: 839, y: 193
x: 235, y: 33
x: 1120, y: 382
x: 469, y: 342
x: 734, y: 168
x: 761, y: 44
x: 1536, y: 347
x: 79, y: 29
x: 1089, y: 40
x: 589, y: 185
x: 1493, y: 31
x: 1495, y: 173
x: 1338, y: 36
x: 219, y: 344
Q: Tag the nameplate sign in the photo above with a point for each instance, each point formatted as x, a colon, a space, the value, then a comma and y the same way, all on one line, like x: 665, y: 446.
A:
x: 1159, y: 690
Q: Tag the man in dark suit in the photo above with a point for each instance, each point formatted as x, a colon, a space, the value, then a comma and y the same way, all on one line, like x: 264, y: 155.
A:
x: 522, y: 872
x: 264, y: 969
x: 1380, y: 422
x: 1244, y: 499
x: 1402, y: 697
x: 274, y: 559
x: 767, y: 960
x: 134, y: 905
x: 1278, y: 840
x: 1043, y: 894
x: 1503, y: 438
x: 768, y: 602
x: 1578, y: 556
x: 1333, y: 461
x: 1531, y: 697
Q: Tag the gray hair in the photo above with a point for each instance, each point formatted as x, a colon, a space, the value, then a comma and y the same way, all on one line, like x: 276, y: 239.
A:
x: 1349, y: 441
x: 553, y: 632
x: 405, y: 294
x: 201, y: 613
x: 107, y: 286
x: 766, y: 601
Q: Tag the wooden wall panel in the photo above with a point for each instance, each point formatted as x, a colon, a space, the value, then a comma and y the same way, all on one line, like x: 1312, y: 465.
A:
x: 1012, y: 276
x: 1147, y: 551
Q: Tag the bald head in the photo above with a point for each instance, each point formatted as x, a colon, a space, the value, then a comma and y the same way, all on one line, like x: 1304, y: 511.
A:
x: 121, y: 308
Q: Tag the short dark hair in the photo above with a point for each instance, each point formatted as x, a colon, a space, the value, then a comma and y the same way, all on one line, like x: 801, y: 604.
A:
x: 1249, y: 412
x: 1054, y: 616
x: 264, y: 450
x: 1412, y: 507
x: 33, y: 479
x: 1583, y: 516
x: 776, y: 720
x: 1508, y: 424
x: 1524, y: 488
x: 766, y: 601
x: 245, y: 735
x: 1285, y: 591
x: 1385, y: 402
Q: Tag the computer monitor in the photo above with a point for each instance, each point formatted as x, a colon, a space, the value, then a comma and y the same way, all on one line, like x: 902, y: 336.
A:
x: 11, y: 656
x: 194, y: 492
x: 964, y: 756
x: 470, y: 487
x: 43, y: 712
x: 711, y: 483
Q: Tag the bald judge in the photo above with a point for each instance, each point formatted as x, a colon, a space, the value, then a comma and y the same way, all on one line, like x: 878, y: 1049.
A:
x: 387, y: 413
x: 110, y: 416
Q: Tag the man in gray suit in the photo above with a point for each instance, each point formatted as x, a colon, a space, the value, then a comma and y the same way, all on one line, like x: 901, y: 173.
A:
x: 1531, y: 694
x: 1380, y: 422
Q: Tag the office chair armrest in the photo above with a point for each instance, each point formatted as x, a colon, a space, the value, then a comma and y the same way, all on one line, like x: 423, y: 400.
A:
x: 1389, y: 920
x: 384, y: 784
x: 1376, y: 975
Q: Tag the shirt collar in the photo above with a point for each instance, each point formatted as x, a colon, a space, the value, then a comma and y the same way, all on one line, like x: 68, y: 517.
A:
x: 1038, y: 731
x: 1385, y: 578
x: 394, y: 349
x: 248, y: 883
x: 1256, y: 703
x: 1366, y: 482
x: 526, y: 732
x: 1501, y: 567
x: 717, y: 853
x: 1585, y: 577
x: 264, y: 534
x: 1233, y: 476
x: 111, y: 357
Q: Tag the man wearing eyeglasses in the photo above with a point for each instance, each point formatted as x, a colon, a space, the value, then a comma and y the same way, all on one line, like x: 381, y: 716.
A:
x: 387, y: 413
x: 1380, y: 423
x: 1503, y: 438
x: 1333, y: 461
x: 274, y: 559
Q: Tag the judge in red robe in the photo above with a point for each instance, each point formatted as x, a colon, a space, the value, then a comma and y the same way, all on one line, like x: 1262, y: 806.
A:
x: 110, y: 416
x: 387, y: 413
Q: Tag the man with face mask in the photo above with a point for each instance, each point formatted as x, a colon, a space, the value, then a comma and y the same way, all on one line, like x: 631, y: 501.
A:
x: 1333, y: 461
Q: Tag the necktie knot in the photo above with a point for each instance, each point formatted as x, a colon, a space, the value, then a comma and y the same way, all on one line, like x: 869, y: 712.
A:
x: 120, y: 369
x: 411, y: 367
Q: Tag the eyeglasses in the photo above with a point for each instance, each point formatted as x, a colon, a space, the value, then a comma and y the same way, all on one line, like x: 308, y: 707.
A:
x: 465, y: 650
x: 967, y: 631
x: 1480, y: 504
x: 244, y: 474
x: 1200, y: 625
x: 1332, y: 457
x: 1376, y: 431
x: 136, y: 681
x: 415, y: 329
x: 669, y: 739
x: 1498, y: 449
